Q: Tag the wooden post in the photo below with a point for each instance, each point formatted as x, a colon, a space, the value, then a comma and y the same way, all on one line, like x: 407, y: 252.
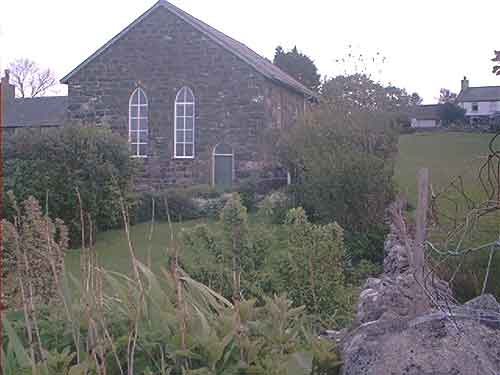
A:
x: 421, y: 220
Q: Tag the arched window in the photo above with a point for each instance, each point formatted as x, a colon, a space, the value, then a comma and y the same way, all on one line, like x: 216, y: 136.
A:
x: 138, y: 123
x: 184, y: 124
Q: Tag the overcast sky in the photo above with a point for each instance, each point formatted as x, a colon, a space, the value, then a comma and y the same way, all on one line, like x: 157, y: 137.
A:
x: 429, y: 44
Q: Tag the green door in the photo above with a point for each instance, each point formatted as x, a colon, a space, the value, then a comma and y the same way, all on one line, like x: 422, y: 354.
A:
x: 223, y: 166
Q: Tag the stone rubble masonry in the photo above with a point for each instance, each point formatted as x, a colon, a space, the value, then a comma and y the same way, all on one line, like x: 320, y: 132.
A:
x: 235, y: 104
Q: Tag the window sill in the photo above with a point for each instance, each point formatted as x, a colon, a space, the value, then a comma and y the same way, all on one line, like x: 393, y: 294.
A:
x: 183, y: 158
x: 138, y: 157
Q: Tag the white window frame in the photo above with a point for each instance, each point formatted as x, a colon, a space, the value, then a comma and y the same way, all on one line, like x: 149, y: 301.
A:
x: 185, y: 91
x: 135, y: 143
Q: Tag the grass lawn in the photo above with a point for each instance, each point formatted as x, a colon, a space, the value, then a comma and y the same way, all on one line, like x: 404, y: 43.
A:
x: 113, y: 252
x: 447, y: 155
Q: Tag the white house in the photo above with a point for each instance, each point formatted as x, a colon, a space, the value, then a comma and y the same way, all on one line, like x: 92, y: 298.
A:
x: 480, y: 103
x: 426, y: 116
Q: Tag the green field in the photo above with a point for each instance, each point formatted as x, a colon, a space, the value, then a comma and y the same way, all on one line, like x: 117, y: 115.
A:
x: 448, y: 156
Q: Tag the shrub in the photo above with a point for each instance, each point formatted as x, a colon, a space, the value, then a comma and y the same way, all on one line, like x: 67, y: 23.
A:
x: 314, y: 274
x: 274, y: 207
x: 53, y: 165
x: 342, y: 158
x: 175, y: 202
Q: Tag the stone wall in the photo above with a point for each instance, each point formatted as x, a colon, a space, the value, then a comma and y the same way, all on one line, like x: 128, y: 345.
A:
x: 234, y: 103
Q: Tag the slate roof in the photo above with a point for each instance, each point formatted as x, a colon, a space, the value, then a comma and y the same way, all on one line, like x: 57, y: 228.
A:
x: 259, y: 63
x: 480, y: 94
x: 35, y: 112
x: 427, y: 112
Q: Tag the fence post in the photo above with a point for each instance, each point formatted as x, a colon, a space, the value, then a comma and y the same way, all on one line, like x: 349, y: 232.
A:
x: 421, y: 220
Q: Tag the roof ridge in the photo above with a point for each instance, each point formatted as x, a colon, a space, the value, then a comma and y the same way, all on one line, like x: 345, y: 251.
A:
x: 265, y: 67
x: 190, y: 17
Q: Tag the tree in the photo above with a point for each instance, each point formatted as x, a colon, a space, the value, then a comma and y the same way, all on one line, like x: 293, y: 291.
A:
x: 451, y: 113
x: 360, y: 91
x: 496, y: 59
x: 447, y: 96
x: 30, y: 80
x: 299, y: 66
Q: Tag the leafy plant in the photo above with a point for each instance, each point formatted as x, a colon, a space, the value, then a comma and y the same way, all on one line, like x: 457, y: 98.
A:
x: 314, y: 274
x: 54, y: 165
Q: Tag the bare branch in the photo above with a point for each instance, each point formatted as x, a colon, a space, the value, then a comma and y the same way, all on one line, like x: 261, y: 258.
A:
x: 29, y: 79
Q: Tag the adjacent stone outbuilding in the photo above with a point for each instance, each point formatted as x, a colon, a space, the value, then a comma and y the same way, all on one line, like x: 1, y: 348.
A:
x: 197, y: 106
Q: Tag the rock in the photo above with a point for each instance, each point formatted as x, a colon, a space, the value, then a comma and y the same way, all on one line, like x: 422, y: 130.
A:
x: 408, y: 327
x: 433, y: 345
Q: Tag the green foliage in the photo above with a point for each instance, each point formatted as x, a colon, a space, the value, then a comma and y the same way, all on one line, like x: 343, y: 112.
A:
x: 176, y: 203
x: 367, y: 245
x: 299, y: 66
x: 52, y: 165
x: 343, y: 158
x: 275, y: 336
x: 451, y: 113
x: 360, y: 91
x: 314, y: 274
x: 274, y: 207
x: 235, y: 224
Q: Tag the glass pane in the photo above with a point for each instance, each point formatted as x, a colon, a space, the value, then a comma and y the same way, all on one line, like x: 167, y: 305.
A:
x: 189, y: 136
x: 143, y: 137
x: 134, y: 111
x: 180, y: 136
x: 189, y: 150
x: 142, y: 97
x: 189, y: 109
x: 189, y: 95
x: 143, y: 123
x: 133, y: 125
x: 143, y: 150
x: 179, y: 109
x: 190, y: 123
x: 180, y: 149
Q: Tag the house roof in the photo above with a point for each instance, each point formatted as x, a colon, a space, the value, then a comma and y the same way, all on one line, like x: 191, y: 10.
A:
x: 427, y: 112
x: 259, y: 63
x: 480, y: 94
x: 35, y: 112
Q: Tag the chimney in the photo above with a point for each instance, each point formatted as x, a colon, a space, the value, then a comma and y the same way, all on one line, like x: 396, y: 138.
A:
x: 465, y: 84
x: 8, y: 90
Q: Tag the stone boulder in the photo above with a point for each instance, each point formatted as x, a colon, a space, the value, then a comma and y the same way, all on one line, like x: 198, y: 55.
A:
x: 408, y: 324
x: 437, y: 343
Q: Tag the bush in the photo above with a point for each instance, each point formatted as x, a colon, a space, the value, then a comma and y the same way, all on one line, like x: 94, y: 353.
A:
x: 314, y: 274
x: 175, y: 202
x: 274, y: 207
x: 343, y: 159
x: 53, y: 165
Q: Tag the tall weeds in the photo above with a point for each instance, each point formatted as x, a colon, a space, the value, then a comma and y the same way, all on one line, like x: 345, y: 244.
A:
x: 151, y: 323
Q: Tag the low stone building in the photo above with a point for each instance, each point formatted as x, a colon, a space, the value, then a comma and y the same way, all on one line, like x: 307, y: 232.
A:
x: 30, y: 113
x: 197, y: 106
